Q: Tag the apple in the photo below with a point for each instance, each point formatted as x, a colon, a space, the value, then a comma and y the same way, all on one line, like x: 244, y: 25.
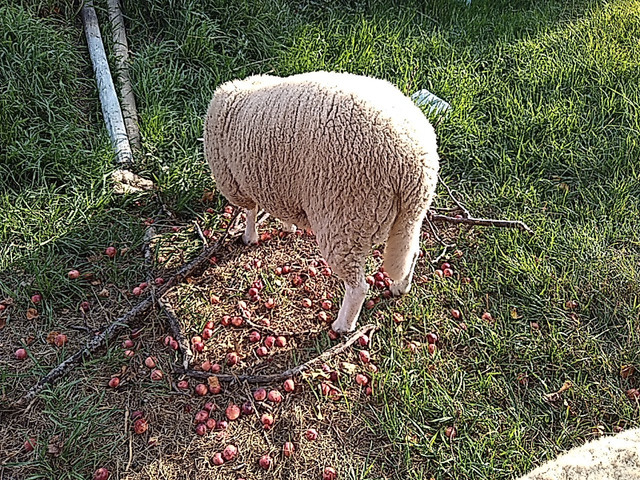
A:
x: 232, y: 412
x: 29, y: 445
x: 217, y: 459
x: 101, y: 474
x: 114, y: 382
x: 274, y: 396
x: 110, y: 252
x: 329, y: 473
x: 254, y: 337
x: 149, y: 362
x: 311, y: 434
x: 289, y: 385
x: 260, y: 394
x: 230, y: 452
x: 281, y: 341
x: 265, y: 462
x: 73, y: 274
x: 288, y: 449
x: 201, y: 389
x: 140, y: 426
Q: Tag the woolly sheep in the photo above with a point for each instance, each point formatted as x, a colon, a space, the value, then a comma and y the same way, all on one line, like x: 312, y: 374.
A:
x: 614, y: 457
x: 347, y: 156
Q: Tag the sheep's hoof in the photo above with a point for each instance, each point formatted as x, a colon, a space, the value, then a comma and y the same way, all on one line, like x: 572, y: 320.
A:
x: 250, y: 239
x: 288, y: 227
x: 399, y: 288
x: 340, y: 327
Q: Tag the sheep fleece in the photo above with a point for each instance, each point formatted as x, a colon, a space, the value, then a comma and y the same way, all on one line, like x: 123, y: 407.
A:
x: 343, y: 154
x: 615, y: 457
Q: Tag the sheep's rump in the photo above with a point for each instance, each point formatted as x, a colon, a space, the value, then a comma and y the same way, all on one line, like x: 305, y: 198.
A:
x: 615, y: 457
x: 322, y: 148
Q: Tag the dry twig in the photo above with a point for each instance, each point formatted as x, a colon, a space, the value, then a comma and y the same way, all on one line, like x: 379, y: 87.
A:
x: 192, y: 268
x: 174, y: 325
x: 278, y: 377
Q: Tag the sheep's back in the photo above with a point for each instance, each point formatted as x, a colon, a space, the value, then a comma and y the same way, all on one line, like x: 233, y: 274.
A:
x: 323, y: 142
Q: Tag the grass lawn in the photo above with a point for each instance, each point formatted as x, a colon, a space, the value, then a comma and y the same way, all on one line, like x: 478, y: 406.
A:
x: 544, y: 127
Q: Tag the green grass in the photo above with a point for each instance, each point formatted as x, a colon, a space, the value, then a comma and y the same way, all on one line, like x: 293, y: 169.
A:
x: 544, y: 127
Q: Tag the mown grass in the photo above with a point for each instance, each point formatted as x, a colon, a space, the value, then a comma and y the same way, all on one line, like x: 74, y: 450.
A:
x: 544, y: 127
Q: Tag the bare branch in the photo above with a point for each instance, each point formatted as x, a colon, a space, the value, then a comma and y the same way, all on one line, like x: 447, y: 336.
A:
x: 278, y: 377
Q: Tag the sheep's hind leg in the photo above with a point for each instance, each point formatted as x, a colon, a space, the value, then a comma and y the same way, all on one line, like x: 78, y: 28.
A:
x: 401, y: 255
x: 250, y: 236
x: 354, y: 296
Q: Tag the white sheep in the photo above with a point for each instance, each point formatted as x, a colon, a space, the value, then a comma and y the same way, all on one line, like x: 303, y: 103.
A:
x: 614, y: 457
x: 347, y: 156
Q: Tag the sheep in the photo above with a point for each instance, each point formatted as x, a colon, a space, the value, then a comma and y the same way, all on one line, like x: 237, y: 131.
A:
x: 347, y: 156
x: 614, y: 457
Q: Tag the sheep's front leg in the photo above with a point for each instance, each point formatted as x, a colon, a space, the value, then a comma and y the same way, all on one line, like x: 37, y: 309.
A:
x: 354, y: 296
x: 250, y: 236
x: 288, y: 227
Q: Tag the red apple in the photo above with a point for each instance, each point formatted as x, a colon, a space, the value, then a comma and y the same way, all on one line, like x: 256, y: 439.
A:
x: 450, y: 432
x: 201, y: 389
x: 432, y: 337
x: 281, y: 341
x: 207, y: 333
x: 455, y: 313
x: 363, y: 340
x: 198, y: 346
x: 60, y: 340
x: 260, y: 394
x: 364, y: 355
x: 29, y: 445
x: 150, y: 362
x: 267, y: 420
x: 447, y: 272
x: 110, y: 252
x: 73, y: 274
x: 206, y: 366
x: 288, y: 449
x: 232, y: 411
x: 136, y: 291
x: 114, y: 382
x: 329, y: 473
x: 201, y: 429
x: 217, y: 459
x: 362, y: 380
x: 486, y: 316
x: 225, y: 321
x: 140, y: 426
x: 101, y: 474
x: 201, y: 417
x: 311, y: 434
x: 270, y: 341
x: 128, y: 343
x: 289, y: 385
x: 36, y: 298
x: 247, y: 408
x: 265, y: 462
x: 156, y: 375
x: 215, y: 368
x: 270, y: 303
x: 333, y: 335
x: 183, y: 385
x: 254, y: 337
x: 307, y: 303
x: 230, y: 452
x: 159, y: 281
x: 262, y: 351
x: 431, y: 348
x: 274, y: 396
